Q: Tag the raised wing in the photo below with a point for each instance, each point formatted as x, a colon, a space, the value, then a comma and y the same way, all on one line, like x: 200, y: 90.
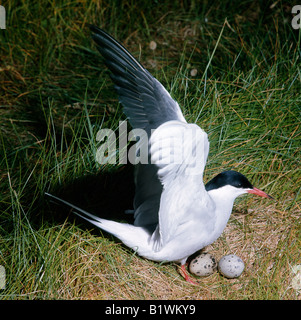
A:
x: 146, y: 102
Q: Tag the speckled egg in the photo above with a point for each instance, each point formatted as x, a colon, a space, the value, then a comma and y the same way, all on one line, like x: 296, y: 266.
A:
x: 231, y: 266
x: 203, y: 265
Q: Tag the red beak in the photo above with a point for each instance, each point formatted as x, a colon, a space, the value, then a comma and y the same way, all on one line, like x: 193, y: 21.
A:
x: 260, y: 193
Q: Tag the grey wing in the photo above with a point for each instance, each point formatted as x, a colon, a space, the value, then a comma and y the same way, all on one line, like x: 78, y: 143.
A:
x: 147, y: 196
x: 147, y: 105
x: 146, y: 102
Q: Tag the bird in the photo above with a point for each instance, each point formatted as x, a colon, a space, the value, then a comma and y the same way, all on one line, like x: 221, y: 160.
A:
x: 175, y: 213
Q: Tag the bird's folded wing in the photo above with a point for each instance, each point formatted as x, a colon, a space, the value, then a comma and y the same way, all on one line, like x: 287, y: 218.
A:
x: 180, y: 152
x: 146, y: 102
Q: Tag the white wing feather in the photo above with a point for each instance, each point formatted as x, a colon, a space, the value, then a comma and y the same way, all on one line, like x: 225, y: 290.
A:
x: 180, y: 152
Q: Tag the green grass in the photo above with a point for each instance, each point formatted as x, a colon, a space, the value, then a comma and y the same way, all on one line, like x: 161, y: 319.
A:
x: 55, y: 95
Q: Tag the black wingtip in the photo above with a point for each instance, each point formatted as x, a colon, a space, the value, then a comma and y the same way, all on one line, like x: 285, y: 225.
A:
x: 98, y: 31
x: 93, y: 28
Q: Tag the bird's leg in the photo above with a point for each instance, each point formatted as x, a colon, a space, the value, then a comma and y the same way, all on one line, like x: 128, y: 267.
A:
x: 186, y: 276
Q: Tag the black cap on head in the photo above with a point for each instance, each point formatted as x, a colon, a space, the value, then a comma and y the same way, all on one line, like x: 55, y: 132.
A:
x: 232, y: 178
